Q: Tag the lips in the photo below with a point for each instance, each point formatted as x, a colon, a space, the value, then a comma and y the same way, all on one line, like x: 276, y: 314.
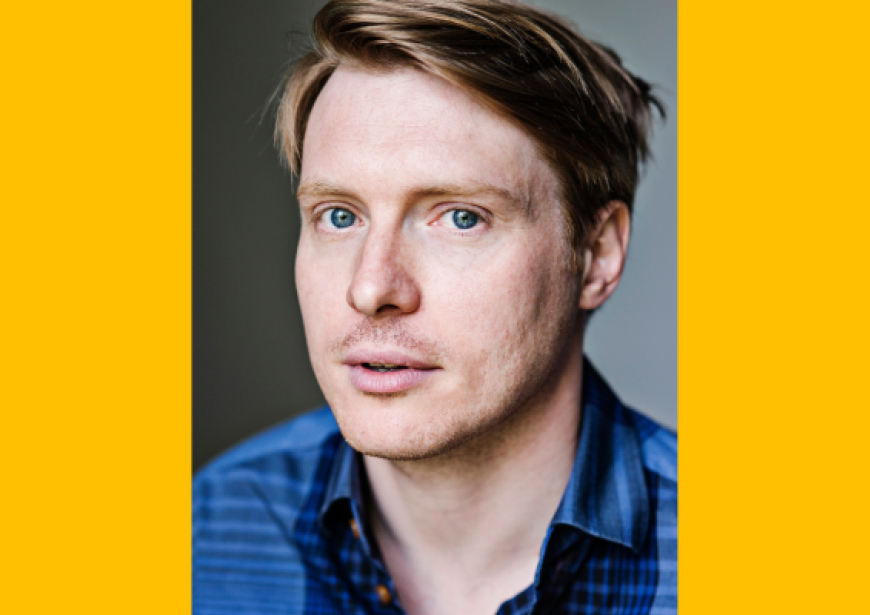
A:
x: 375, y: 371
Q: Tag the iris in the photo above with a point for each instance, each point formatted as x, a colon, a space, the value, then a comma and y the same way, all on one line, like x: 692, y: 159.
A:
x: 342, y: 218
x: 464, y: 219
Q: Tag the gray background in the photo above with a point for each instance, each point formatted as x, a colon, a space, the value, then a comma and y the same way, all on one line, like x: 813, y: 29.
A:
x: 250, y: 364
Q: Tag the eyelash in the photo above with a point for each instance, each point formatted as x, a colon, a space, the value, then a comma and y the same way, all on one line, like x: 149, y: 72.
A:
x: 482, y: 217
x: 320, y: 216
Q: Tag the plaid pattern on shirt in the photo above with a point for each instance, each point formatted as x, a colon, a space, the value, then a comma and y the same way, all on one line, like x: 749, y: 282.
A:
x: 273, y: 531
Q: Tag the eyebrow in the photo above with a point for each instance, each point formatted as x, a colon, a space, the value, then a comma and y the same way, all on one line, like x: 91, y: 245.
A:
x: 465, y: 189
x: 320, y: 188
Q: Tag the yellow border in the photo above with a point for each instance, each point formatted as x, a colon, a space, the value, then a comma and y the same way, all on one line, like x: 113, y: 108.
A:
x: 773, y: 307
x: 96, y: 294
x: 96, y: 307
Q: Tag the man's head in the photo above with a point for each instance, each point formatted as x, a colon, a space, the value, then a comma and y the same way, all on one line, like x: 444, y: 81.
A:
x: 457, y: 161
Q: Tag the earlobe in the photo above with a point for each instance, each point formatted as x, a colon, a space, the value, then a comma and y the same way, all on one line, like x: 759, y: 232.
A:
x: 604, y: 255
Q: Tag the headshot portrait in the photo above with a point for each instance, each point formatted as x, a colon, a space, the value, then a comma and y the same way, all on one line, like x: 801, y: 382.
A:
x: 434, y: 307
x: 321, y: 307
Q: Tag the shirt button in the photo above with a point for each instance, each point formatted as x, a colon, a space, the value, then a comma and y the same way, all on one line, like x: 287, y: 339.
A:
x: 383, y: 594
x: 354, y: 528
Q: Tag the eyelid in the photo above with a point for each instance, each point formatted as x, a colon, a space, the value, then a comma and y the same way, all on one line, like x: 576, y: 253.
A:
x: 446, y: 208
x: 319, y: 212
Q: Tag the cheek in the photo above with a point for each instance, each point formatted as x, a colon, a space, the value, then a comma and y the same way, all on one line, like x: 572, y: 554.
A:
x: 508, y: 311
x: 321, y: 298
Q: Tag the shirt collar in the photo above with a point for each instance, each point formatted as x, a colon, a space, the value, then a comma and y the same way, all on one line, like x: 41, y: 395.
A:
x: 344, y: 482
x: 606, y: 494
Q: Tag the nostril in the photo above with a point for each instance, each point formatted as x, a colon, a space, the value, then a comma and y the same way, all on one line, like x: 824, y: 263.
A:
x: 387, y: 308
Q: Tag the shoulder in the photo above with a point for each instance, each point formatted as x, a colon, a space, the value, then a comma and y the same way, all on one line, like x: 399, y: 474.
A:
x: 658, y: 446
x: 277, y: 467
x: 246, y: 507
x: 300, y: 437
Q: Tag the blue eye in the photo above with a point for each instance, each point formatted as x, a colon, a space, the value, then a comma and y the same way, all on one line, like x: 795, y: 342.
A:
x: 341, y: 218
x: 464, y: 219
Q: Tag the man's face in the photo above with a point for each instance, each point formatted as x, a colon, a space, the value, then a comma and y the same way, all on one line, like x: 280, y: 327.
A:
x: 434, y: 269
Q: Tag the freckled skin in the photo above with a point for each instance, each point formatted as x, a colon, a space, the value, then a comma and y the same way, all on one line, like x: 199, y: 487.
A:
x: 496, y: 309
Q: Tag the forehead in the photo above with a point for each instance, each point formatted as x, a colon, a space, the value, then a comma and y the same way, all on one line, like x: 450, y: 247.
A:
x: 405, y: 128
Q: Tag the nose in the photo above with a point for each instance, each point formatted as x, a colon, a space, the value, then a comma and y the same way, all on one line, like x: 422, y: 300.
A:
x: 383, y: 283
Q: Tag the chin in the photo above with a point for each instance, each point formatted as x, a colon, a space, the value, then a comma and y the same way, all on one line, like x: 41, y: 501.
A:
x: 394, y: 426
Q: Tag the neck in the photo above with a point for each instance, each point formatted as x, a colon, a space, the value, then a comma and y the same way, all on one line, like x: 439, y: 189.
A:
x: 462, y: 532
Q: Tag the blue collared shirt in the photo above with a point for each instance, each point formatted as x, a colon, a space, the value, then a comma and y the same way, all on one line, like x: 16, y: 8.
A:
x: 279, y: 524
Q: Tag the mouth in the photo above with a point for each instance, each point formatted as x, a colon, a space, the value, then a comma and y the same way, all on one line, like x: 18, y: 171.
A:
x: 383, y: 368
x: 380, y: 372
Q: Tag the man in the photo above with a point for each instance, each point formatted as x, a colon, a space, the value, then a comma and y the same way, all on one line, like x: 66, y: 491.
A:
x: 466, y: 171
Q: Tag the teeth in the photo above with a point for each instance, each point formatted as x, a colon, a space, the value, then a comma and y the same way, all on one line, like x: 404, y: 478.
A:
x: 383, y: 364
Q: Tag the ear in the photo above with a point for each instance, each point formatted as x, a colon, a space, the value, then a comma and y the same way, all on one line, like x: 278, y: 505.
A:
x: 604, y: 255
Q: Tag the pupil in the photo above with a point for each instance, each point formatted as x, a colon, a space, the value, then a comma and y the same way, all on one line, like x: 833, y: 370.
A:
x: 464, y: 219
x: 342, y: 218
